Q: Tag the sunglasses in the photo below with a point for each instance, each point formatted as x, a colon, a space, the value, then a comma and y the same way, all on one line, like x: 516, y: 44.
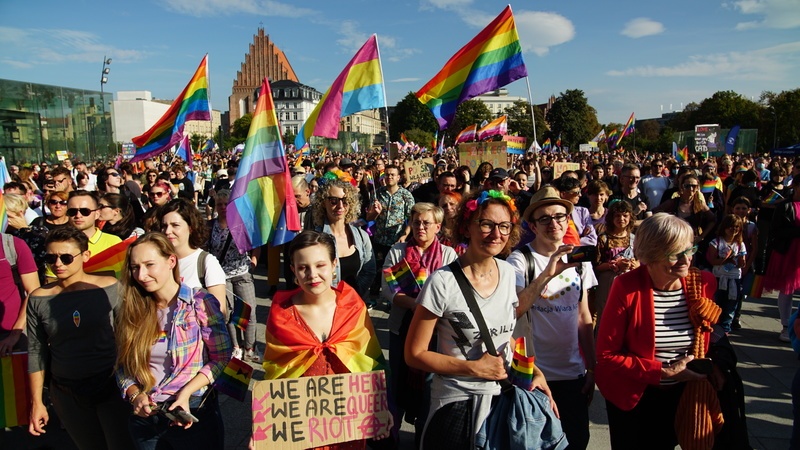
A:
x: 113, y: 174
x: 66, y: 258
x: 333, y: 201
x: 57, y: 202
x: 72, y: 212
x: 158, y: 194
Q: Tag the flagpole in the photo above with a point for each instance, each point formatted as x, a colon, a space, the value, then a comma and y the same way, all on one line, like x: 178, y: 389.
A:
x: 208, y: 97
x: 530, y: 102
x: 385, y: 103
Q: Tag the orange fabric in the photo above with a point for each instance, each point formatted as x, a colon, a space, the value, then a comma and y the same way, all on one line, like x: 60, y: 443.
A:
x: 572, y: 237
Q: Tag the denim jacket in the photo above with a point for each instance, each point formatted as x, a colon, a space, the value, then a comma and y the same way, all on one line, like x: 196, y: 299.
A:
x: 366, y: 272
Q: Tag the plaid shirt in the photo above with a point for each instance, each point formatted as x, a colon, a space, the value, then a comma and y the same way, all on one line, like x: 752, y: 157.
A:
x: 198, y: 329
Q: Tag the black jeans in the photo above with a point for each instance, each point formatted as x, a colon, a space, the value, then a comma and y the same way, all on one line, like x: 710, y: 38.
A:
x: 650, y: 424
x: 574, y: 410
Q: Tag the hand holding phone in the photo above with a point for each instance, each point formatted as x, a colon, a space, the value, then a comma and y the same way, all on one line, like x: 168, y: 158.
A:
x: 178, y: 415
x: 703, y: 366
x: 584, y: 253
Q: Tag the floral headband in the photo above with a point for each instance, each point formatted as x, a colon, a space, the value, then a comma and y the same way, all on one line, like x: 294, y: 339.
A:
x: 473, y: 204
x: 338, y: 174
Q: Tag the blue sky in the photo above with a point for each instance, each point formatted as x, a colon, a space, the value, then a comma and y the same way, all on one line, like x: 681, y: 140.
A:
x: 626, y: 55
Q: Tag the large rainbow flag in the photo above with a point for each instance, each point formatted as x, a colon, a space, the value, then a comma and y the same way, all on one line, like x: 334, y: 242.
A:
x: 191, y: 104
x: 262, y: 208
x: 358, y: 87
x: 493, y: 128
x: 291, y: 350
x: 14, y: 402
x: 629, y: 128
x: 611, y: 139
x: 491, y: 60
x: 111, y: 259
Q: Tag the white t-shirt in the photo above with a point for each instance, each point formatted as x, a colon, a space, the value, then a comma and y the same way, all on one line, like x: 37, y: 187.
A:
x: 654, y: 188
x: 554, y: 316
x: 214, y: 273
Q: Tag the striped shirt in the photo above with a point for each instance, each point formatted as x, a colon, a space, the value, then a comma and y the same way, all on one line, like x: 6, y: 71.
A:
x: 674, y: 331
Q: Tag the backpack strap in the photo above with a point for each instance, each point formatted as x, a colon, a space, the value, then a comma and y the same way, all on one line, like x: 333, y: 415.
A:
x: 201, y: 268
x: 530, y: 275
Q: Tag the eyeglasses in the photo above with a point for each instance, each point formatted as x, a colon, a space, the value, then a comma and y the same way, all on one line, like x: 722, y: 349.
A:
x: 421, y: 224
x: 156, y: 194
x: 57, y: 202
x: 688, y: 253
x: 113, y: 174
x: 66, y: 258
x: 690, y: 186
x: 105, y: 206
x: 546, y: 220
x: 72, y: 212
x: 487, y: 226
x: 333, y: 201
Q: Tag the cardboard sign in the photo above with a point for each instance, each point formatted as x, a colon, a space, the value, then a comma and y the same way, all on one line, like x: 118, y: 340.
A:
x: 585, y: 148
x: 62, y: 155
x: 417, y: 170
x: 561, y: 167
x: 515, y: 144
x: 472, y: 154
x: 307, y: 412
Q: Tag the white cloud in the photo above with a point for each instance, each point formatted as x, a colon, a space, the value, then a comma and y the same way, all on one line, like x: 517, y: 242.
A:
x: 210, y: 8
x: 404, y: 80
x: 641, y: 27
x: 780, y: 14
x: 767, y: 64
x: 444, y: 4
x: 40, y: 46
x: 539, y: 31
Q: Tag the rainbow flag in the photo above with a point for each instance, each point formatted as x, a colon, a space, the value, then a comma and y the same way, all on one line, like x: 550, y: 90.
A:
x: 240, y: 316
x: 370, y: 178
x: 299, y: 161
x: 185, y: 151
x: 491, y: 60
x: 611, y: 138
x: 547, y: 145
x: 629, y: 128
x: 401, y: 278
x: 3, y: 213
x: 234, y: 380
x: 14, y: 395
x: 467, y: 134
x: 522, y: 368
x: 773, y: 198
x: 262, y: 208
x: 191, y: 104
x: 111, y: 259
x: 403, y: 139
x: 291, y: 350
x: 324, y: 153
x: 493, y: 128
x: 708, y: 186
x: 358, y: 87
x: 682, y: 155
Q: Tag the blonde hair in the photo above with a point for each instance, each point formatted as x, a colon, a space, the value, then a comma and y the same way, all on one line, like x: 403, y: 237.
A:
x: 15, y: 203
x: 660, y: 236
x: 424, y: 207
x: 137, y: 324
x: 318, y: 211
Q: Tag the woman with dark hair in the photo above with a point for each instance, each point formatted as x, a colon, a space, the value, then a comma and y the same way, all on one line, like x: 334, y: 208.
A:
x: 160, y: 194
x: 71, y: 335
x: 783, y: 274
x: 116, y: 212
x: 690, y: 206
x: 150, y: 180
x: 481, y: 175
x: 56, y: 202
x: 186, y: 229
x: 172, y: 343
x: 463, y: 179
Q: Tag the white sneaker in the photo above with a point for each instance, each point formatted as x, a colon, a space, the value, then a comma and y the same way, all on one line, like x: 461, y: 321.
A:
x: 784, y: 336
x: 252, y: 355
x: 237, y: 353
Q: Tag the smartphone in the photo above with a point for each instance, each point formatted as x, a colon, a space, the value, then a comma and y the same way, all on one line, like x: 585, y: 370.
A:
x: 584, y: 253
x: 703, y: 366
x: 178, y: 415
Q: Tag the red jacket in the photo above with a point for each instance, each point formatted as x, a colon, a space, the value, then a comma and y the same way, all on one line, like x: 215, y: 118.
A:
x: 626, y: 362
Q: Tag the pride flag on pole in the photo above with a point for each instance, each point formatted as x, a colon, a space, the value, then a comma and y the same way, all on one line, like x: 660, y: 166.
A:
x: 234, y: 380
x: 185, y: 151
x: 629, y: 128
x: 14, y: 400
x: 491, y: 60
x: 111, y: 259
x: 191, y: 104
x: 611, y: 139
x: 467, y: 134
x: 401, y: 278
x: 493, y: 128
x: 357, y: 88
x: 262, y: 208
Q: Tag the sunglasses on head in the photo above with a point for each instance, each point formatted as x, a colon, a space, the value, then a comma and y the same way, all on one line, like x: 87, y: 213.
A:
x: 72, y: 212
x: 66, y: 258
x: 57, y: 202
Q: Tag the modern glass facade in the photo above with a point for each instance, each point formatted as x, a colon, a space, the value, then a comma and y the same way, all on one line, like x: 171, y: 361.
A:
x: 37, y: 121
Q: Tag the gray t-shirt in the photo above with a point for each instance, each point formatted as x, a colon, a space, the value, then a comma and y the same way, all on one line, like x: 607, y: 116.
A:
x: 73, y: 332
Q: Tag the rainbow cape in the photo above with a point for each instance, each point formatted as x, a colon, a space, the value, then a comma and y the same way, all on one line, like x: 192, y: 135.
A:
x: 111, y: 259
x: 291, y: 349
x: 191, y: 104
x: 629, y: 128
x: 467, y: 134
x: 262, y: 208
x: 240, y: 316
x: 358, y: 87
x: 401, y: 278
x: 14, y: 397
x: 522, y: 368
x: 493, y: 128
x: 491, y: 60
x: 235, y: 379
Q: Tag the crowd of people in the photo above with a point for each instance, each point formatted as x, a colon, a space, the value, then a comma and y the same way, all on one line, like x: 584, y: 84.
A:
x: 627, y: 272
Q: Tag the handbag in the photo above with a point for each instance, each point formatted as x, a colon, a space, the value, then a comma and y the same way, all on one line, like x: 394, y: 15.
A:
x: 519, y: 419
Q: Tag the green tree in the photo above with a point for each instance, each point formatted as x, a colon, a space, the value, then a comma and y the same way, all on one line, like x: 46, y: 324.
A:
x: 288, y: 138
x: 781, y: 119
x: 240, y: 128
x: 423, y: 138
x: 411, y: 114
x: 519, y: 120
x: 198, y: 141
x: 468, y: 113
x: 572, y: 118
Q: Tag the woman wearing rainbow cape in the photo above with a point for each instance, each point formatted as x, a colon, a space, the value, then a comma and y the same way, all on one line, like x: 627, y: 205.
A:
x: 316, y: 329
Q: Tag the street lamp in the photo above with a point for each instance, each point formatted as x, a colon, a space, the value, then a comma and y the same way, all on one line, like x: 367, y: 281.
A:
x: 103, y: 81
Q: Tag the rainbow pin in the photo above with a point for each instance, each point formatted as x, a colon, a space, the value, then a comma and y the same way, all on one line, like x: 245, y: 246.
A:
x: 76, y: 318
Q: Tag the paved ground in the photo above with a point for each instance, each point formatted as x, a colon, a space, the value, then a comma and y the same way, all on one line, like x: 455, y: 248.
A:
x: 766, y: 365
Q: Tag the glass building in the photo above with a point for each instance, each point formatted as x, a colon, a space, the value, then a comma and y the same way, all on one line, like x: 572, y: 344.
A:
x: 46, y: 123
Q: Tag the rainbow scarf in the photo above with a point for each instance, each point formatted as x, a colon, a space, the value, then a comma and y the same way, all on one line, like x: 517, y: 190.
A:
x: 291, y: 349
x: 234, y: 379
x: 400, y: 278
x: 240, y: 316
x: 14, y: 398
x: 522, y: 368
x: 491, y: 60
x: 262, y: 208
x: 191, y: 104
x: 111, y: 259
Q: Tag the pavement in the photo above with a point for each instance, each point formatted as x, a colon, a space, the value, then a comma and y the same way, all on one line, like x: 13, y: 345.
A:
x: 766, y: 365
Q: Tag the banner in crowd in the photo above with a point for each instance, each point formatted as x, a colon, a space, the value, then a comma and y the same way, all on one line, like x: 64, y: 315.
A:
x: 417, y: 170
x: 128, y: 150
x: 310, y: 412
x: 561, y: 167
x: 515, y: 144
x: 472, y: 154
x: 706, y: 138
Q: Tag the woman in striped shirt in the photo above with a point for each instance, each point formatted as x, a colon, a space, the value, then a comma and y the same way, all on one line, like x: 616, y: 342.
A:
x: 646, y: 333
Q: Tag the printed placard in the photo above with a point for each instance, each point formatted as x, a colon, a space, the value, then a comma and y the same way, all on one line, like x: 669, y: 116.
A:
x: 307, y: 412
x: 472, y: 154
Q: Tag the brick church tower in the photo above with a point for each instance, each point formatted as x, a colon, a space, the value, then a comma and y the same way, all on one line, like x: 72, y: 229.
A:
x: 264, y: 59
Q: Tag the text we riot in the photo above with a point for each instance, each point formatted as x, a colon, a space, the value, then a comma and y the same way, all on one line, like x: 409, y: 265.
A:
x: 305, y: 412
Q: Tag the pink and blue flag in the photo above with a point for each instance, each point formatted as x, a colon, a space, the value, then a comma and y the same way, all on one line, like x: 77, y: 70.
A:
x: 262, y: 208
x: 185, y: 151
x: 359, y: 87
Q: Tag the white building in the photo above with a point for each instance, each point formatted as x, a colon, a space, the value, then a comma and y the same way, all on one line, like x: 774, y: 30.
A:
x: 294, y: 102
x: 498, y: 100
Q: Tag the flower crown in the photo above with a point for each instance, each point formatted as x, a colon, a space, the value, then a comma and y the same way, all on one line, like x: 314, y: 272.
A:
x: 473, y: 204
x: 338, y: 174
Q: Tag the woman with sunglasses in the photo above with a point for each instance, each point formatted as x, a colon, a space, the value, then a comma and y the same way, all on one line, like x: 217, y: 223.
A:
x: 110, y: 180
x: 160, y: 194
x: 334, y: 208
x: 690, y: 205
x: 117, y: 213
x: 655, y: 316
x: 172, y: 343
x: 149, y: 180
x: 56, y: 203
x: 71, y: 335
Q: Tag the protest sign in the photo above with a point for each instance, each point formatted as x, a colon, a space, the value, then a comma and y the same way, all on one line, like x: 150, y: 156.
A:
x: 471, y: 154
x: 706, y: 138
x: 515, y: 144
x: 307, y: 412
x: 561, y: 167
x: 128, y: 150
x: 584, y: 148
x: 417, y: 170
x: 62, y: 155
